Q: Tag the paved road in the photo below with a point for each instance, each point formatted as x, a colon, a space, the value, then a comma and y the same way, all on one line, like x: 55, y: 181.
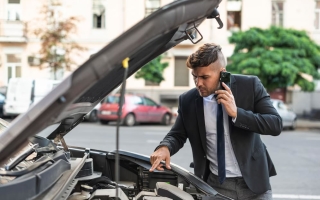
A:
x: 295, y: 153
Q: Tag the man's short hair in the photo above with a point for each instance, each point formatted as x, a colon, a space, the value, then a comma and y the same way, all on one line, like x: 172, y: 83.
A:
x: 204, y: 56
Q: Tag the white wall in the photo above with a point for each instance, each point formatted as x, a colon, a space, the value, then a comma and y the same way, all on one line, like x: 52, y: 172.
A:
x: 315, y: 104
x: 304, y: 102
x: 301, y: 102
x: 299, y: 14
x: 256, y: 14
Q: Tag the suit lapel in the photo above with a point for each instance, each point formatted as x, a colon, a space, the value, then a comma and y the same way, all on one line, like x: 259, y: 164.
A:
x: 234, y: 92
x: 201, y: 124
x: 234, y: 87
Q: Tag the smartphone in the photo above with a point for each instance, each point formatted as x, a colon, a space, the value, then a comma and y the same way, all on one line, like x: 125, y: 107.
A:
x: 225, y: 78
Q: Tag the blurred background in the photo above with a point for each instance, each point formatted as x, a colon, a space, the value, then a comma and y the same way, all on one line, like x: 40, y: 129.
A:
x: 276, y: 40
x: 44, y: 41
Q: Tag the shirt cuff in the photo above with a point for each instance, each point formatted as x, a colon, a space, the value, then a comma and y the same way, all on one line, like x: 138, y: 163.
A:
x: 234, y: 119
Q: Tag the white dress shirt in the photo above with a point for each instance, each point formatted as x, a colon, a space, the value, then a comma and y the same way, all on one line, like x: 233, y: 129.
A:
x: 210, y: 118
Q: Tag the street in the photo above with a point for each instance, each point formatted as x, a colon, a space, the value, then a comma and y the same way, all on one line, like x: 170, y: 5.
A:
x: 295, y: 153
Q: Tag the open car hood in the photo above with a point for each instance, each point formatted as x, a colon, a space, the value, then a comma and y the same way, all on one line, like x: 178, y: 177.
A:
x: 68, y: 103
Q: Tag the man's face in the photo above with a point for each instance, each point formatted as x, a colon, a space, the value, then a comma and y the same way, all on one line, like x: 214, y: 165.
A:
x: 206, y: 78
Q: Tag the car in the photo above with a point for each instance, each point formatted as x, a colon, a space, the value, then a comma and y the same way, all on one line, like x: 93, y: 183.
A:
x: 289, y: 118
x: 92, y: 116
x: 2, y: 101
x: 36, y: 161
x: 136, y: 109
x: 22, y: 93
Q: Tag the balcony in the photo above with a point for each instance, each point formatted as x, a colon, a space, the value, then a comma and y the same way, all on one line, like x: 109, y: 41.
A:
x: 12, y: 31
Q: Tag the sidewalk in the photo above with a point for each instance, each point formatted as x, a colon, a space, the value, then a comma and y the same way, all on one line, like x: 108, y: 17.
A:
x: 304, y: 123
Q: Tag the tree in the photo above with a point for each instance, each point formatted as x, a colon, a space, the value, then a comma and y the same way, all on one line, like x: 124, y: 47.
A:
x: 279, y: 57
x: 153, y: 70
x: 55, y: 35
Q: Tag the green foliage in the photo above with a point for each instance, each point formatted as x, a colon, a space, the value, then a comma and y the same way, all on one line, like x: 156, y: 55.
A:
x: 277, y: 56
x: 153, y: 70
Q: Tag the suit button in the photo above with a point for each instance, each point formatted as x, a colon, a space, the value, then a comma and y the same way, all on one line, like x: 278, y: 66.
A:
x: 204, y: 156
x: 202, y: 177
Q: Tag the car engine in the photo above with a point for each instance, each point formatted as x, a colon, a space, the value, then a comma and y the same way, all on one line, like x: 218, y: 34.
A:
x: 51, y: 171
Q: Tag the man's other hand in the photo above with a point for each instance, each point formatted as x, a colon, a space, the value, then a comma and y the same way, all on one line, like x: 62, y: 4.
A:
x: 161, y: 154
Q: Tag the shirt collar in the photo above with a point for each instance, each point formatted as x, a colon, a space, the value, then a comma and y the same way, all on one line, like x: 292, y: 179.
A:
x: 210, y: 97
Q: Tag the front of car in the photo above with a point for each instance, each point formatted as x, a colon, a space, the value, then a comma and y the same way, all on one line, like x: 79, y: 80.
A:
x: 37, y: 163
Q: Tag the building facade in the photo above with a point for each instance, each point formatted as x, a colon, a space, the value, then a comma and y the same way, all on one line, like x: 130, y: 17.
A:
x: 103, y: 20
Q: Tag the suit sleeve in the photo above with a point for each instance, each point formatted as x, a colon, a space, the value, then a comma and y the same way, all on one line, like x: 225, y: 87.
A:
x: 264, y: 119
x: 177, y: 136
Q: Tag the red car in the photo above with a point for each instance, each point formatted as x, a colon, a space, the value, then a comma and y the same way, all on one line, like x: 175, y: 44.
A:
x: 135, y: 109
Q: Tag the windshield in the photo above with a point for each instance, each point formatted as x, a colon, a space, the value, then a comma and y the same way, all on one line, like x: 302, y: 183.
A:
x: 112, y: 99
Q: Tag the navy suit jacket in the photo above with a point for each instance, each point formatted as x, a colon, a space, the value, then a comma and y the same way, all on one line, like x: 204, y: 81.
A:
x: 255, y: 115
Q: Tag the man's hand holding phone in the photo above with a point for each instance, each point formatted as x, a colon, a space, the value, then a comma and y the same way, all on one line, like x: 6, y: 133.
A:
x: 225, y: 95
x: 225, y: 77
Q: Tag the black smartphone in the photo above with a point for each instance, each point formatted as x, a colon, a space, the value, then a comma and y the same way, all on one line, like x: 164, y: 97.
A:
x: 225, y: 78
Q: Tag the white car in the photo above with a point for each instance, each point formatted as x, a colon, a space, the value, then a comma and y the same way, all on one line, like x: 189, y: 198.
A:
x: 23, y: 93
x: 289, y: 118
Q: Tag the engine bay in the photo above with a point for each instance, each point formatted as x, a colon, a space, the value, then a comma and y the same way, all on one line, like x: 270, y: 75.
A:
x: 51, y: 172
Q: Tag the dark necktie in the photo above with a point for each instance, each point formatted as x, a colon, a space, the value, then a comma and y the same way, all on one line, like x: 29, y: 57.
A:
x: 220, y: 145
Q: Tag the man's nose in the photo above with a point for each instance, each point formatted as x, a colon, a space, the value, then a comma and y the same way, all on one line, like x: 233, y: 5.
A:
x: 198, y: 82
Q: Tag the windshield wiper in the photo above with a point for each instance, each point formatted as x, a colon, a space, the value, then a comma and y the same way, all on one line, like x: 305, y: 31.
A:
x: 46, y: 159
x: 29, y: 150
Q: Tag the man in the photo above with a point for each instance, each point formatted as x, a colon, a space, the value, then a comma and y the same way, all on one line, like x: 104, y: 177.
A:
x: 242, y: 168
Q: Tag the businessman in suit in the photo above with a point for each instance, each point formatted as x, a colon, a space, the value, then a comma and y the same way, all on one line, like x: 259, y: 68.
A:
x: 224, y: 128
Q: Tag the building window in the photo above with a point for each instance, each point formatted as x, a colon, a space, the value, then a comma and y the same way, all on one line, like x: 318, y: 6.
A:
x: 234, y: 15
x: 233, y: 20
x: 14, y: 10
x: 277, y: 13
x: 317, y: 16
x: 181, y: 72
x: 13, y: 66
x: 99, y: 16
x: 151, y: 6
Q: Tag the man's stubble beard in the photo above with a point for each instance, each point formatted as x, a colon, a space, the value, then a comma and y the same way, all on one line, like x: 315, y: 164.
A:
x: 204, y: 95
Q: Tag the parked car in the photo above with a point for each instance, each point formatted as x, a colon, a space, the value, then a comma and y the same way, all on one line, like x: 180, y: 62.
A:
x: 22, y: 93
x: 37, y: 163
x: 2, y: 100
x: 136, y: 109
x: 92, y: 116
x: 289, y: 118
